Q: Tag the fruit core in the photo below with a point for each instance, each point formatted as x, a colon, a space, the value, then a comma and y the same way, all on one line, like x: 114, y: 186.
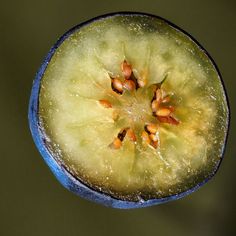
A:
x: 138, y: 108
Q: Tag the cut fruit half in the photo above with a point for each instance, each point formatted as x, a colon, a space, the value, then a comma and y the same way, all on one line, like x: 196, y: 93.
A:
x: 129, y: 111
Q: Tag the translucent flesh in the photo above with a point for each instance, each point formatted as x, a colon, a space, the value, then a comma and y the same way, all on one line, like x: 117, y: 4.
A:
x: 80, y: 130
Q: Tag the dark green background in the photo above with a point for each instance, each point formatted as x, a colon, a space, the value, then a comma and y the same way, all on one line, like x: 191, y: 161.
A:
x: 32, y: 202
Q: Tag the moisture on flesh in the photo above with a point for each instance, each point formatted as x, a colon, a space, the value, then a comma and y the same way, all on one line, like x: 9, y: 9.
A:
x: 133, y: 108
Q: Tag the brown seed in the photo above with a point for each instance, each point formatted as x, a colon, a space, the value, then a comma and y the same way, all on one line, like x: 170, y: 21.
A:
x: 166, y: 99
x: 168, y: 119
x: 172, y: 108
x: 131, y: 135
x: 105, y: 103
x: 155, y: 144
x: 129, y: 85
x: 158, y: 95
x: 163, y: 112
x: 116, y: 144
x: 126, y: 69
x: 152, y: 128
x: 145, y: 137
x: 117, y: 84
x: 173, y: 121
x: 155, y: 104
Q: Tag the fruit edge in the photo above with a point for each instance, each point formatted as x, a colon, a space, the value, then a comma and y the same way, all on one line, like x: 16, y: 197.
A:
x: 60, y: 172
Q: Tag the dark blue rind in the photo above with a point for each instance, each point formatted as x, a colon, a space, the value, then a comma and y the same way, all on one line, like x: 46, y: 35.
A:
x: 61, y: 173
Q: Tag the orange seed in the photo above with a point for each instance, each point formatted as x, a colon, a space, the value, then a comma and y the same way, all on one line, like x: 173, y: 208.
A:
x: 126, y: 69
x: 166, y: 99
x: 116, y: 143
x: 172, y: 108
x: 152, y: 128
x: 155, y: 105
x: 129, y: 84
x: 155, y: 144
x: 163, y: 112
x: 117, y: 84
x: 146, y: 137
x: 105, y: 103
x: 131, y: 135
x: 168, y: 119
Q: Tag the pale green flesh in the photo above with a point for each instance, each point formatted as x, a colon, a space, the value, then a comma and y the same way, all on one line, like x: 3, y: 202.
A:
x: 80, y: 130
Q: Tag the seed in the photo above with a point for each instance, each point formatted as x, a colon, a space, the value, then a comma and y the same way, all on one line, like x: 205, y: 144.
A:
x: 117, y: 84
x: 158, y: 95
x: 163, y: 112
x: 146, y: 137
x: 129, y: 85
x: 126, y: 69
x: 155, y: 105
x: 155, y: 144
x: 142, y: 82
x: 122, y: 134
x: 172, y: 108
x: 166, y: 99
x: 116, y: 143
x: 105, y: 103
x: 153, y: 137
x: 152, y: 128
x: 173, y: 121
x: 168, y: 119
x: 131, y: 135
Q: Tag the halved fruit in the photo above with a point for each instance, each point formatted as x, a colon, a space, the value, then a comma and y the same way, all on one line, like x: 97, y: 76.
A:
x: 129, y: 111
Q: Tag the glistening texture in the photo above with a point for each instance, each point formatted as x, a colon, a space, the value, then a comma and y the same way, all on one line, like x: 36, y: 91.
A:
x: 80, y: 130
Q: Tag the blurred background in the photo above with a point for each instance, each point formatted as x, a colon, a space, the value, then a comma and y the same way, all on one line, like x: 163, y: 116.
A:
x: 32, y: 202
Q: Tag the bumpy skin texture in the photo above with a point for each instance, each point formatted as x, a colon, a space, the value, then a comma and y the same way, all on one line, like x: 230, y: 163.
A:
x: 64, y: 177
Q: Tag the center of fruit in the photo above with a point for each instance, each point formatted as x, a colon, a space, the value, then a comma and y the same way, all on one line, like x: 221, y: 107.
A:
x: 136, y: 108
x: 141, y: 105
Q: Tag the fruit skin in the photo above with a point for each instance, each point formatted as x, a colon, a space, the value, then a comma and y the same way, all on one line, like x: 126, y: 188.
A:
x: 61, y: 173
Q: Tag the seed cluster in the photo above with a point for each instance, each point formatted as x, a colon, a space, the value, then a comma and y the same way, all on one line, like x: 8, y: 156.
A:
x: 128, y: 81
x: 160, y: 106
